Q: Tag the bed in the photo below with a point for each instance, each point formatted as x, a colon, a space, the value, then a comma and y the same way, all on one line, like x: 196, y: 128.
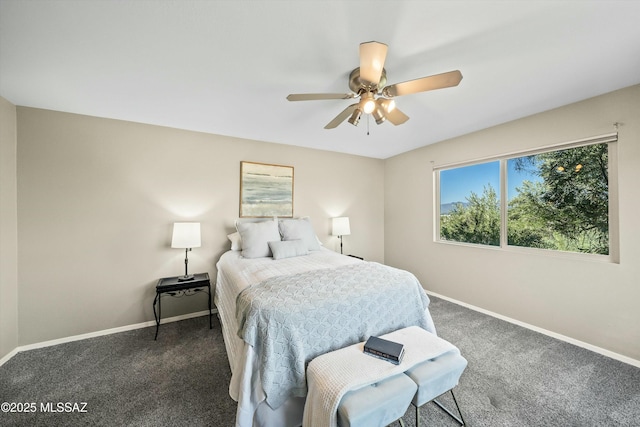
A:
x: 283, y: 299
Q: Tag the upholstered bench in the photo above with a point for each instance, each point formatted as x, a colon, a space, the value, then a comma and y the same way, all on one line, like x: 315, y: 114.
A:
x: 349, y: 388
x: 377, y: 405
x: 434, y: 378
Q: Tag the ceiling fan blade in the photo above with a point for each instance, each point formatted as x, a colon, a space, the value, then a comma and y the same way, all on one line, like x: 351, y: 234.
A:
x: 438, y: 81
x: 372, y: 57
x: 396, y: 116
x: 318, y: 96
x: 342, y: 116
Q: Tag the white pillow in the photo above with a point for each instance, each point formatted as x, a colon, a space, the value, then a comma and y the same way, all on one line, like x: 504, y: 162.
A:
x: 299, y: 229
x: 256, y: 237
x: 288, y: 249
x: 236, y: 241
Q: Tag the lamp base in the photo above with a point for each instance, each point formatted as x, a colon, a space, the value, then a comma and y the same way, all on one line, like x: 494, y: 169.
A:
x: 185, y: 278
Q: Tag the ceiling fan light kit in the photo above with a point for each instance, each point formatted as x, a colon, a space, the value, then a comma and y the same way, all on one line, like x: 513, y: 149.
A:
x: 378, y: 115
x: 368, y: 81
x: 367, y: 103
x: 355, y: 117
x: 387, y: 104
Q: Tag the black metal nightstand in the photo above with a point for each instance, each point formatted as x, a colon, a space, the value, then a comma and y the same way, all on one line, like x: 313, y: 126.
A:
x: 174, y: 287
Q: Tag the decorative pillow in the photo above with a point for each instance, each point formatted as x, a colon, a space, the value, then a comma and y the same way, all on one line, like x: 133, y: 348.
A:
x: 287, y: 249
x: 256, y: 237
x: 299, y: 229
x: 236, y: 241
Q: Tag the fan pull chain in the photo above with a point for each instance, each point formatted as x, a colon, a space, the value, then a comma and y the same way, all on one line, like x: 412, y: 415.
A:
x: 368, y: 115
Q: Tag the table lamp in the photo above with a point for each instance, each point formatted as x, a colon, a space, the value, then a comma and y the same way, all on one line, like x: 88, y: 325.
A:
x: 340, y: 227
x: 186, y: 235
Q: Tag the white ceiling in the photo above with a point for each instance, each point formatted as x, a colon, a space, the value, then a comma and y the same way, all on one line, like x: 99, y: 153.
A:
x: 226, y: 67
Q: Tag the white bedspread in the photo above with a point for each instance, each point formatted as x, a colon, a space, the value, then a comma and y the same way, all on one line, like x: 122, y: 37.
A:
x: 294, y: 318
x: 235, y: 274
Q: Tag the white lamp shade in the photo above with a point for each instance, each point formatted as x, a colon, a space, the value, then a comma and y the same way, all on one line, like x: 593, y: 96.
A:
x: 340, y: 226
x: 186, y: 235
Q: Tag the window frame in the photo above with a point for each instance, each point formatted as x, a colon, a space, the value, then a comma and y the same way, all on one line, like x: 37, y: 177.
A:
x: 614, y: 236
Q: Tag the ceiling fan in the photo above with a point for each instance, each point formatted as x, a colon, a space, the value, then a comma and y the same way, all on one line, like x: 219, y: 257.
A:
x: 367, y: 82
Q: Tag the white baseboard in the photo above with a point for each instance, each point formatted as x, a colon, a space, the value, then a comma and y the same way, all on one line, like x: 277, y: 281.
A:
x: 8, y: 356
x: 103, y: 332
x: 561, y: 337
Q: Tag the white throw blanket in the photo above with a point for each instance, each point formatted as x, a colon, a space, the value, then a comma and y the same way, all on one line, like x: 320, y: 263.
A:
x: 333, y: 374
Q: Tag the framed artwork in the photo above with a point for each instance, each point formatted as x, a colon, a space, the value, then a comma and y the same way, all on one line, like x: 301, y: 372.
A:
x: 266, y: 190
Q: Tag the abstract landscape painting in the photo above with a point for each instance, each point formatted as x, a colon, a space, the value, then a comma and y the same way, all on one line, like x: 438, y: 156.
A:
x: 266, y: 190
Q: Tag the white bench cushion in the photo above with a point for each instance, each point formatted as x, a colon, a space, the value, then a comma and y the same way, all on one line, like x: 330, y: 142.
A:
x: 437, y: 376
x: 332, y: 375
x: 377, y: 405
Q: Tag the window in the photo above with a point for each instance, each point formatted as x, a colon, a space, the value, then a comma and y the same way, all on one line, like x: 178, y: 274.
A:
x: 469, y: 204
x: 555, y: 199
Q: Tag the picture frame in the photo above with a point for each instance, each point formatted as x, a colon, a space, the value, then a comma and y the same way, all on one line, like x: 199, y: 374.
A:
x: 266, y: 190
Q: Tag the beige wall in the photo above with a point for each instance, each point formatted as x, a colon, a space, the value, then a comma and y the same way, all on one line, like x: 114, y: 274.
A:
x: 8, y: 230
x: 97, y: 199
x: 589, y: 301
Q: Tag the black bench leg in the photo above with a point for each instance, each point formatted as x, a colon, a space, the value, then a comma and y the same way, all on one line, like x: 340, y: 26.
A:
x: 441, y: 406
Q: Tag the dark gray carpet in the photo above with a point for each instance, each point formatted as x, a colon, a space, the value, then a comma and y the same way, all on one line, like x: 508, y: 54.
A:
x: 518, y: 377
x: 515, y: 377
x: 126, y: 379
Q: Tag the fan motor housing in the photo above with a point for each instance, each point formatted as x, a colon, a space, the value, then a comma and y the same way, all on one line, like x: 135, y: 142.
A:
x: 356, y: 85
